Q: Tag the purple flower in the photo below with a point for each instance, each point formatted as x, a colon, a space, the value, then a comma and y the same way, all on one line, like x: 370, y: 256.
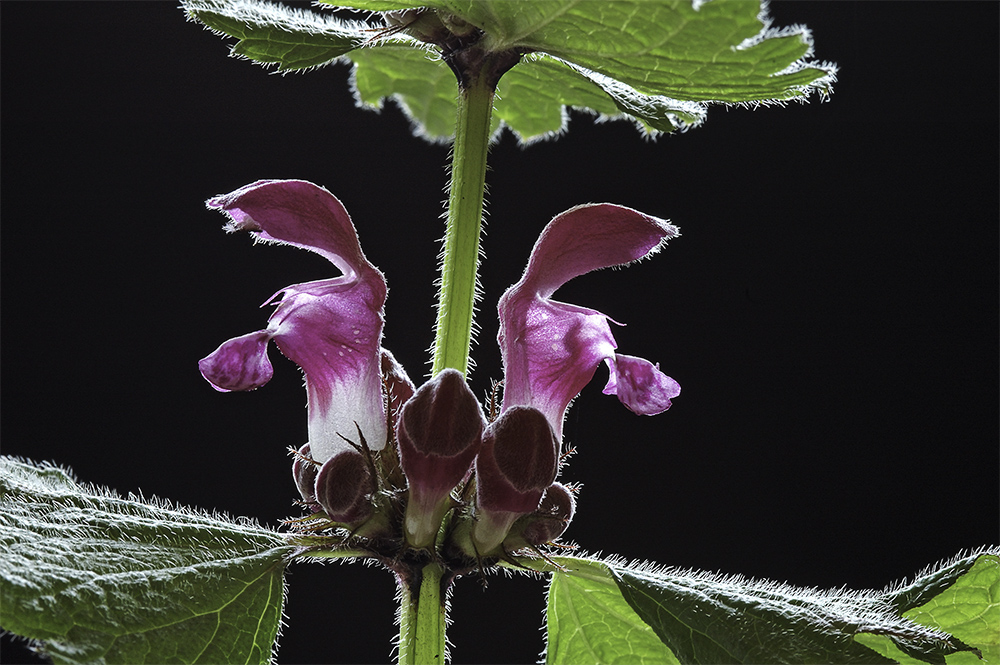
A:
x: 550, y: 352
x: 552, y: 349
x: 332, y: 328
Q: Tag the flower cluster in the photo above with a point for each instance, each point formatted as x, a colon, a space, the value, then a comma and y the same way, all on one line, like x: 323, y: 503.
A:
x: 426, y: 466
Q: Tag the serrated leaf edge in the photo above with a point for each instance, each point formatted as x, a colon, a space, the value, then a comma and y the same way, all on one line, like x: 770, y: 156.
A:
x: 12, y: 471
x: 282, y: 18
x: 91, y: 490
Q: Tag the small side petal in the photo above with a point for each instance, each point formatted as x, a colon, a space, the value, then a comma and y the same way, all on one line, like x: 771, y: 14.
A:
x: 239, y: 364
x: 640, y: 385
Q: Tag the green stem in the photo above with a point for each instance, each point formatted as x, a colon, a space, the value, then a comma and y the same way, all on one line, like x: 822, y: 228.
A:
x: 465, y: 214
x: 422, y: 619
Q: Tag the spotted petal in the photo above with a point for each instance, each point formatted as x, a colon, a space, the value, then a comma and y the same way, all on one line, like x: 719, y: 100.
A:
x: 640, y: 385
x: 239, y: 364
x: 331, y: 328
x: 552, y: 349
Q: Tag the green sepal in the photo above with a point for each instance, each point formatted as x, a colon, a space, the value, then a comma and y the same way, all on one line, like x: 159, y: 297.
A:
x: 94, y: 577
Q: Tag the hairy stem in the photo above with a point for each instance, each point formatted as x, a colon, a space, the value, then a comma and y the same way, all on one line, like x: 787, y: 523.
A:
x: 423, y: 612
x: 460, y: 263
x: 422, y: 619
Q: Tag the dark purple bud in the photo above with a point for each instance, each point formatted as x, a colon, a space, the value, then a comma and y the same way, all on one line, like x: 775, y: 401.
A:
x: 517, y: 462
x: 440, y: 429
x: 343, y: 486
x: 396, y: 382
x: 439, y: 433
x: 304, y: 473
x: 555, y: 511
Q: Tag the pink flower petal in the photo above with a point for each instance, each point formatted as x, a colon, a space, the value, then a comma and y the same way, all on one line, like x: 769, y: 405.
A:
x: 552, y: 349
x: 331, y: 328
x: 239, y: 364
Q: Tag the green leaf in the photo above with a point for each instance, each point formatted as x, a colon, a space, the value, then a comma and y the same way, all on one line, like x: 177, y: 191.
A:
x: 531, y: 98
x: 705, y: 618
x: 588, y: 621
x: 273, y: 34
x: 416, y: 79
x: 658, y: 63
x: 738, y: 622
x: 711, y: 51
x: 99, y: 578
x: 961, y: 598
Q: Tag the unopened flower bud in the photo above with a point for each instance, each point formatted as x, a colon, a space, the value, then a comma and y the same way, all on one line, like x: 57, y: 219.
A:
x: 422, y: 23
x: 555, y: 511
x: 439, y: 433
x: 518, y: 461
x: 343, y: 487
x: 457, y: 25
x: 396, y: 382
x: 304, y: 473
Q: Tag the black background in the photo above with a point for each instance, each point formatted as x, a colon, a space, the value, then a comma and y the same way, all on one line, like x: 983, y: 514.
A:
x: 830, y: 310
